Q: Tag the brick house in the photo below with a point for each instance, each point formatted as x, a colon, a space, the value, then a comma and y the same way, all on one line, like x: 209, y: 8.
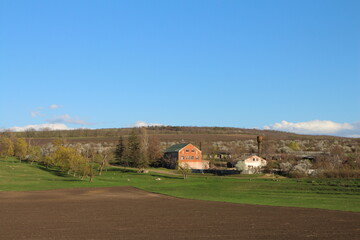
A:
x: 185, y: 154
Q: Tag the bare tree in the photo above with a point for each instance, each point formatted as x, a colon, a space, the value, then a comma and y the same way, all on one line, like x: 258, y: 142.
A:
x: 154, y: 151
x: 184, y: 169
x: 104, y: 157
x: 144, y: 148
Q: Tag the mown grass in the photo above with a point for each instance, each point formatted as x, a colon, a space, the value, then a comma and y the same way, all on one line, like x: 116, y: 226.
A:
x: 335, y: 194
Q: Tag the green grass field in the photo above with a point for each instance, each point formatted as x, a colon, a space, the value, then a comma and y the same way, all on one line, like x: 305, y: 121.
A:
x: 332, y: 194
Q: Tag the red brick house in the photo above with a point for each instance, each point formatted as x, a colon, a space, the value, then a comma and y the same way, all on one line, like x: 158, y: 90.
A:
x: 185, y: 154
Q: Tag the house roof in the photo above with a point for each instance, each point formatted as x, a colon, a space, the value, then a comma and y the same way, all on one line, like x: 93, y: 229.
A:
x: 243, y: 158
x: 176, y: 147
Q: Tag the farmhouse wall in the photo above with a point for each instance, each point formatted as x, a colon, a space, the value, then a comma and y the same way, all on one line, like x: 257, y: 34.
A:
x: 187, y: 155
x: 255, y: 161
x: 190, y: 152
x: 195, y: 164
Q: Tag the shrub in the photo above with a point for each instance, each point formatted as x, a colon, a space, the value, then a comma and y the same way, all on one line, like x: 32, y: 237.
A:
x: 294, y: 146
x: 297, y: 174
x: 340, y: 173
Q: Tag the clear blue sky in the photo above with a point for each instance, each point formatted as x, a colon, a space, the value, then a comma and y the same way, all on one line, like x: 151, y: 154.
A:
x: 195, y: 63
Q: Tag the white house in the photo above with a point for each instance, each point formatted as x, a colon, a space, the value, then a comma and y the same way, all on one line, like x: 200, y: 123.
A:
x: 250, y: 164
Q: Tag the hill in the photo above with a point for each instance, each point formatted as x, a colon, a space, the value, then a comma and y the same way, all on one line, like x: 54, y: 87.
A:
x: 211, y: 139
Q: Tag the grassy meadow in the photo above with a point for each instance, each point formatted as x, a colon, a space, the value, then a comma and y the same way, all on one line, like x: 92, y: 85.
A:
x: 333, y: 194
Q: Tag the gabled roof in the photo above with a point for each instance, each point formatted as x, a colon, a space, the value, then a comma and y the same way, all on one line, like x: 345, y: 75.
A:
x: 176, y: 147
x: 243, y: 158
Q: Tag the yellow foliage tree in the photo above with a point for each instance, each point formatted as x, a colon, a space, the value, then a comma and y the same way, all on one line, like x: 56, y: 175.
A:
x: 34, y: 154
x: 69, y: 160
x: 20, y: 148
x: 294, y: 146
x: 7, y: 147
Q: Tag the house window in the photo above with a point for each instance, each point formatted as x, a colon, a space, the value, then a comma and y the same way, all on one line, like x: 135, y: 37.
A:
x: 197, y: 157
x: 182, y: 157
x: 253, y: 159
x: 187, y: 150
x: 192, y: 157
x: 192, y: 150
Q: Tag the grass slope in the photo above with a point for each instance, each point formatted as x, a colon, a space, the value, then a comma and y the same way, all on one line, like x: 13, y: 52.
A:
x: 326, y: 194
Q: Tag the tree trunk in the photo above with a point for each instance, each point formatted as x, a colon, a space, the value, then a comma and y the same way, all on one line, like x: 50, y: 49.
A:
x: 101, y: 168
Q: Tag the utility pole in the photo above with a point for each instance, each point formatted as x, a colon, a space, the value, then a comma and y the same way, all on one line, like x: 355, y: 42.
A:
x: 259, y: 141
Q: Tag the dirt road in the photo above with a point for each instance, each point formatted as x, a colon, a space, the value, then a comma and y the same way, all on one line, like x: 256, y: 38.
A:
x: 129, y: 213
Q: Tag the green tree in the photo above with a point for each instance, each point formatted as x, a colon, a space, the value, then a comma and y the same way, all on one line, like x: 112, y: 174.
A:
x: 133, y: 149
x: 120, y: 152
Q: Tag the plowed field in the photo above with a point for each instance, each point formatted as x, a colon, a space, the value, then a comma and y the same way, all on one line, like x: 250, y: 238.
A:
x: 129, y: 213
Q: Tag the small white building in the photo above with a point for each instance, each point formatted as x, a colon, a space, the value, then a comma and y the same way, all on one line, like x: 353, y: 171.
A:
x: 250, y: 164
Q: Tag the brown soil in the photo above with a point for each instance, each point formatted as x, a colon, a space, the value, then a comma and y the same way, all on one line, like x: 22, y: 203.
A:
x: 129, y: 213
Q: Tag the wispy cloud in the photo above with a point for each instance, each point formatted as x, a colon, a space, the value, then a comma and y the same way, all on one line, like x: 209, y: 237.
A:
x: 36, y: 114
x: 145, y: 124
x: 66, y: 118
x: 318, y: 127
x: 39, y: 127
x: 55, y: 106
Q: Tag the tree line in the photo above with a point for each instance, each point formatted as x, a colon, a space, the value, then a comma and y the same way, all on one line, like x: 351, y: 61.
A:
x: 139, y: 150
x: 84, y: 160
x: 78, y: 161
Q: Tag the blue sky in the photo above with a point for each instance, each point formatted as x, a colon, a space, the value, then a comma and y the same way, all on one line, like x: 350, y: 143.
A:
x: 287, y: 65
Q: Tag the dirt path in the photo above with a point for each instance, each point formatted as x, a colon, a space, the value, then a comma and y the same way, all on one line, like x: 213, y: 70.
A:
x: 129, y: 213
x: 152, y: 170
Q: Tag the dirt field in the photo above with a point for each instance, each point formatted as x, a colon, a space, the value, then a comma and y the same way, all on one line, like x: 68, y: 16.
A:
x: 128, y: 213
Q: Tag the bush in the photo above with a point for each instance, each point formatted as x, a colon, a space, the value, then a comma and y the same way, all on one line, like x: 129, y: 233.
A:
x: 297, y: 174
x: 294, y: 146
x: 340, y: 173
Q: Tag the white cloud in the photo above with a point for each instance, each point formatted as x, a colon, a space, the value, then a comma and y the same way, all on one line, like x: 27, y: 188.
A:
x: 54, y: 106
x: 145, y: 124
x: 36, y: 114
x: 39, y: 127
x: 66, y: 118
x: 317, y: 127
